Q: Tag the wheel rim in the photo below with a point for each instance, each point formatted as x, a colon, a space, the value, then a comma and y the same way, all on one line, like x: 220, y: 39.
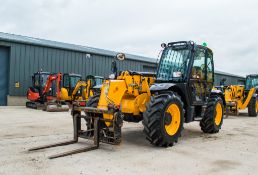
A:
x: 218, y: 116
x: 174, y: 111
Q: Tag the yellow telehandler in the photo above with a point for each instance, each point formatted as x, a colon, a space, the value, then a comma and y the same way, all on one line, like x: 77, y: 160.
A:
x: 180, y: 92
x: 240, y: 97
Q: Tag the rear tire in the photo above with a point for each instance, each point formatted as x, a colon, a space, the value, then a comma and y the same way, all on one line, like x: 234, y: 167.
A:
x: 253, y: 107
x: 163, y: 119
x: 213, y: 116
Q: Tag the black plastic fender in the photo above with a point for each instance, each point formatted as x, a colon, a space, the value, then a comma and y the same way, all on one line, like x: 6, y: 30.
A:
x: 161, y: 87
x: 220, y: 94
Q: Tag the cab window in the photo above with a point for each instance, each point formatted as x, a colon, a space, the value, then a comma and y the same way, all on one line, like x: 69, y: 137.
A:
x: 209, y: 68
x: 66, y: 81
x: 36, y: 80
x: 74, y: 80
x: 198, y: 69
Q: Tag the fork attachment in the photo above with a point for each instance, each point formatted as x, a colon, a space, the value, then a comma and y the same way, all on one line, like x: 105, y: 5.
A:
x: 77, y: 133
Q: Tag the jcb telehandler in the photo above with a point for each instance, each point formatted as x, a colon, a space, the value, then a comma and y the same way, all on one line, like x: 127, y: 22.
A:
x: 182, y: 93
x: 239, y: 97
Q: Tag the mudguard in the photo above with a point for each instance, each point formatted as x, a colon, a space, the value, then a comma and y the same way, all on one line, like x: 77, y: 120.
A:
x: 220, y: 94
x: 161, y: 87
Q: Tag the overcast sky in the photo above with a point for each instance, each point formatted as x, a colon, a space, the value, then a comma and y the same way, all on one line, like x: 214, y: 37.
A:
x: 230, y: 27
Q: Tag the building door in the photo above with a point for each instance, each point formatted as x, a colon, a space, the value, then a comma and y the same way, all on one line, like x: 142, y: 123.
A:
x: 4, y: 71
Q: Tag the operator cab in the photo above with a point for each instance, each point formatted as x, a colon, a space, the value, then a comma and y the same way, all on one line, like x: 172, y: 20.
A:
x: 39, y: 80
x: 95, y: 82
x: 187, y: 69
x: 251, y: 81
x: 70, y: 80
x: 190, y: 66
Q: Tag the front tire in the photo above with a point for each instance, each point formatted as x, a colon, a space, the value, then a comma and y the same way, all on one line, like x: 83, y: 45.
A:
x: 163, y: 119
x: 253, y: 107
x: 213, y: 116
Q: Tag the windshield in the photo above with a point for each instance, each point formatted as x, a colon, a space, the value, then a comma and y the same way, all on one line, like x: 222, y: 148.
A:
x: 173, y: 64
x: 44, y: 79
x: 94, y: 81
x: 98, y: 81
x: 251, y: 82
x: 74, y: 80
x: 40, y: 80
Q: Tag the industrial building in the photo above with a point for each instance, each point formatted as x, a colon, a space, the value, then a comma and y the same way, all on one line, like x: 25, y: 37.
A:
x: 21, y: 56
x: 230, y: 79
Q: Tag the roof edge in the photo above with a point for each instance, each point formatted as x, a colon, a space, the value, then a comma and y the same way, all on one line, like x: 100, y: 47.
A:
x: 67, y: 46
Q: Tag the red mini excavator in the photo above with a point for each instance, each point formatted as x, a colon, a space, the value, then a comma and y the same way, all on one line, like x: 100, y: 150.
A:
x: 45, y: 92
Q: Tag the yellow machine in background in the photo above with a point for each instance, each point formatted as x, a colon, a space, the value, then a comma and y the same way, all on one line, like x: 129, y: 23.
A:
x: 237, y: 98
x: 81, y: 90
x: 74, y: 95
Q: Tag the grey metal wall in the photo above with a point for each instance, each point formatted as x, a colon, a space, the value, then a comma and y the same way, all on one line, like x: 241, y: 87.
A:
x: 27, y: 59
x: 230, y: 80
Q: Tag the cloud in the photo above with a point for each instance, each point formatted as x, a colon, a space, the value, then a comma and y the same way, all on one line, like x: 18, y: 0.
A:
x: 228, y: 26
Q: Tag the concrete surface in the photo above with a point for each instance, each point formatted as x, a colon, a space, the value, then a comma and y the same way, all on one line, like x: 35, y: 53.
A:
x: 232, y: 151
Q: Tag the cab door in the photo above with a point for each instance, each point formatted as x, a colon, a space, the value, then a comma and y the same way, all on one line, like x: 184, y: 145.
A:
x: 66, y: 84
x: 198, y: 82
x: 209, y: 72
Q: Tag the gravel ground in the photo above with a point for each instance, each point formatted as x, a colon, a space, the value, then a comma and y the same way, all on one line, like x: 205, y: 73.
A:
x: 233, y: 150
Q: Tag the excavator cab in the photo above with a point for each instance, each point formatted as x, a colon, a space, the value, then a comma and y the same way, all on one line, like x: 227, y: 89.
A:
x: 74, y: 88
x: 94, y: 81
x: 94, y: 84
x: 68, y: 84
x: 39, y: 80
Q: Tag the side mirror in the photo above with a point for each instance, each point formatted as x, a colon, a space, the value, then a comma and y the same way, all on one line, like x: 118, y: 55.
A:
x: 163, y: 45
x: 120, y: 56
